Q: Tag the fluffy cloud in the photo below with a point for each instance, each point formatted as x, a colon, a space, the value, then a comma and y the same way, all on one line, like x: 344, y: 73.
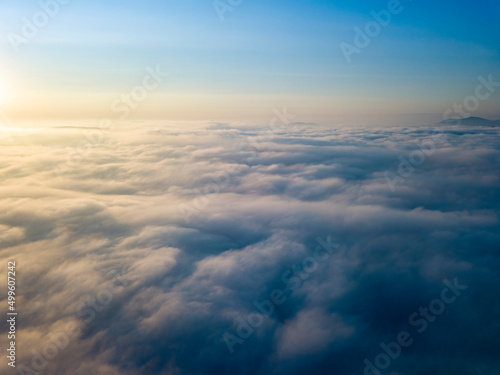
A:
x: 152, y: 243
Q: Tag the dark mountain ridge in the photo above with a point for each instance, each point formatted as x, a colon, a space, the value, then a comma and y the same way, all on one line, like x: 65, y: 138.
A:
x: 471, y: 121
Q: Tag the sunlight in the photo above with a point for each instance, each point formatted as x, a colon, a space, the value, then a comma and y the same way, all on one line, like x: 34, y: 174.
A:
x: 4, y: 92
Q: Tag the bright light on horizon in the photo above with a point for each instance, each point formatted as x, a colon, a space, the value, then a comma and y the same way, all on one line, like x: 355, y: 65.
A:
x: 5, y: 95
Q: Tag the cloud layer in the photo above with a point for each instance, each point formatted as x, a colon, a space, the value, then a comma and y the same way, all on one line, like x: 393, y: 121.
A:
x: 156, y: 239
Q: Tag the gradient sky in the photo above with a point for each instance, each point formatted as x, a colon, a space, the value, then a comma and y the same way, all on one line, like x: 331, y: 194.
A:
x: 265, y: 54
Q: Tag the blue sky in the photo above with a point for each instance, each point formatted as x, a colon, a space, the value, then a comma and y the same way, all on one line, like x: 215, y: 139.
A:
x: 263, y: 54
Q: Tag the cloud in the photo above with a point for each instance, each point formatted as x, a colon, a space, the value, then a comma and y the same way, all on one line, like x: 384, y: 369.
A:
x: 257, y: 206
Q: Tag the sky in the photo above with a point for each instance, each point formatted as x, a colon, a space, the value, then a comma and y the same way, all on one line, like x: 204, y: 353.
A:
x: 238, y: 63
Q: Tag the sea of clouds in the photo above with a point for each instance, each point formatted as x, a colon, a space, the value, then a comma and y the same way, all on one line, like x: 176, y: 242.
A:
x: 144, y: 252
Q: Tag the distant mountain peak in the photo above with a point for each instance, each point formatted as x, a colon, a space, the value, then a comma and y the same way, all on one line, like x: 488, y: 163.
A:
x: 471, y: 121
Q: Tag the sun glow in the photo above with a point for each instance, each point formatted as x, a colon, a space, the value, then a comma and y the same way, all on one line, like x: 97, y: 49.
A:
x: 4, y: 92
